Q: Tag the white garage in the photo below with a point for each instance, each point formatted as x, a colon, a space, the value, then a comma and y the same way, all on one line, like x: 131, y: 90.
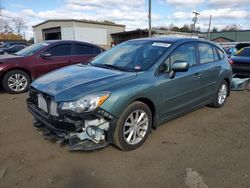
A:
x: 98, y: 33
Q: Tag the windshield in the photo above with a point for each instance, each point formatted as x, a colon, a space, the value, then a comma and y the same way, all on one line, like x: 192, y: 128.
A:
x: 31, y: 49
x: 132, y: 55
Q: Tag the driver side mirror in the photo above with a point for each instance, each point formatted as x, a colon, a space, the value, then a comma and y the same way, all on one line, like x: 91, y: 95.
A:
x: 178, y: 66
x: 45, y: 55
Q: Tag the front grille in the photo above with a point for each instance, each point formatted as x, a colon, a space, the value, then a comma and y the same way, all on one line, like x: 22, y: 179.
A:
x: 43, y: 101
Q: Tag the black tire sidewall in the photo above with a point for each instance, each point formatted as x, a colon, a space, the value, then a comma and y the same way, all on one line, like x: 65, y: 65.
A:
x: 6, y: 77
x: 119, y: 138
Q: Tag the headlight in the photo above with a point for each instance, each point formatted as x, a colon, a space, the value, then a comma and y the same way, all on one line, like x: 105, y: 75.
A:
x: 87, y: 103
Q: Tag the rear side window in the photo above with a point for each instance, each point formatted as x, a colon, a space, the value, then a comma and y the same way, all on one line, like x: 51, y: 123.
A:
x: 216, y: 54
x: 98, y: 51
x: 81, y: 49
x: 221, y: 54
x: 206, y: 53
x: 60, y: 50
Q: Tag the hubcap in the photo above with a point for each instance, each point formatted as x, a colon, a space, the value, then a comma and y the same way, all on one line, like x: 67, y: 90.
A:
x: 17, y: 82
x: 135, y: 127
x: 222, y: 94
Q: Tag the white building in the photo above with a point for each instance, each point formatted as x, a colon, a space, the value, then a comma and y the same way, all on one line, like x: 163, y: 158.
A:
x: 98, y: 33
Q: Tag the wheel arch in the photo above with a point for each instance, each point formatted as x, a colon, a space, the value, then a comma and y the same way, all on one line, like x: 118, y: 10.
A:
x: 152, y: 108
x: 17, y: 68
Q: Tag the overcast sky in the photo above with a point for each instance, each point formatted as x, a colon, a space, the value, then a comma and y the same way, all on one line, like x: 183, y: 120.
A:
x: 132, y: 13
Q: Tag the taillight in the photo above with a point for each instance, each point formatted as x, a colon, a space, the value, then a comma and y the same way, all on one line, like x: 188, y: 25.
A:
x: 230, y: 61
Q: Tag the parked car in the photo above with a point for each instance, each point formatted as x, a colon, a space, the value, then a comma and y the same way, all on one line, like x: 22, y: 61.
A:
x: 230, y: 51
x: 12, y: 49
x: 19, y: 69
x: 241, y: 63
x: 7, y: 45
x: 123, y: 93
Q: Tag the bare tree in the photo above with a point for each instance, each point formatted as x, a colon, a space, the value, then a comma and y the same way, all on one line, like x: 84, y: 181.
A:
x: 232, y: 27
x: 19, y: 25
x: 215, y: 29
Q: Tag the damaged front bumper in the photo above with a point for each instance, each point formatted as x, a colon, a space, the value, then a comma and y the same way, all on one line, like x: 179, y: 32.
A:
x: 85, y: 132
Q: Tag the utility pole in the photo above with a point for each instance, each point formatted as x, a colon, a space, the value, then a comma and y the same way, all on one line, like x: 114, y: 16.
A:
x: 149, y: 19
x: 195, y: 18
x: 209, y: 27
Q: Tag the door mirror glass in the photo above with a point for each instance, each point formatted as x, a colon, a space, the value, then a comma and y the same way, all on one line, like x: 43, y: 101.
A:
x: 45, y: 55
x: 180, y: 66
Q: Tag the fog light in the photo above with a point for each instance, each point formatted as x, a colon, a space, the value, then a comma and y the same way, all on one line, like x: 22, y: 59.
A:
x: 90, y: 131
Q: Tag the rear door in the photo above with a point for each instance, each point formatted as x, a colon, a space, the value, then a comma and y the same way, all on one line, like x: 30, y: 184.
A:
x: 60, y: 57
x: 82, y: 53
x: 209, y: 70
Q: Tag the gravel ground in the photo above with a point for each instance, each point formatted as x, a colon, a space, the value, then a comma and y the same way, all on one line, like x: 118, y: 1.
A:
x: 205, y: 148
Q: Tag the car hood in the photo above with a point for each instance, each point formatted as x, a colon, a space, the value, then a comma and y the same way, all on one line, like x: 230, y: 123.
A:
x: 71, y: 83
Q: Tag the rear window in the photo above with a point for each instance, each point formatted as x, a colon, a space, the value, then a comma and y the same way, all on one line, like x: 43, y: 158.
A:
x: 245, y: 52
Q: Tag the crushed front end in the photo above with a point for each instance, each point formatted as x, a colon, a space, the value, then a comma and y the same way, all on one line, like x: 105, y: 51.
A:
x: 82, y: 131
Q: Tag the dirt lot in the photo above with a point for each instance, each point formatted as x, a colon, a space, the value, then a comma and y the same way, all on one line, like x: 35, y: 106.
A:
x: 206, y: 148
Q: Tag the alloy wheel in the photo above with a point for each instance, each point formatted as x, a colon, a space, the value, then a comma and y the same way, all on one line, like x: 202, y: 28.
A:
x: 17, y: 82
x: 222, y: 95
x: 135, y: 127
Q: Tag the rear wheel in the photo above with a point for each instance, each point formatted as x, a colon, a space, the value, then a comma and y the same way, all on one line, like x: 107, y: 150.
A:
x: 133, y: 126
x: 16, y: 81
x: 221, y: 95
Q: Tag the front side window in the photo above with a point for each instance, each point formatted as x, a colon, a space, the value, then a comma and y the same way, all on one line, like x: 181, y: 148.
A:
x: 60, y: 50
x: 185, y: 52
x: 132, y: 55
x: 206, y: 53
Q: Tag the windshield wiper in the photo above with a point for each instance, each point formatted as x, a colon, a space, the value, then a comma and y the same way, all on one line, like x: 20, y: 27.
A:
x: 110, y: 66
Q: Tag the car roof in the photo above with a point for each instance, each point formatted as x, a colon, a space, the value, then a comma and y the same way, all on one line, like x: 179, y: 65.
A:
x: 177, y: 40
x: 67, y: 41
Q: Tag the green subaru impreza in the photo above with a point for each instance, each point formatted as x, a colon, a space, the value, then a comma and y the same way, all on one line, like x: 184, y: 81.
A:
x: 126, y: 91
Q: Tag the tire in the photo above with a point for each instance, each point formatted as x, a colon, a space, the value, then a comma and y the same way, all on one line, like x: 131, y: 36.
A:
x: 221, y: 95
x: 16, y: 81
x: 133, y: 135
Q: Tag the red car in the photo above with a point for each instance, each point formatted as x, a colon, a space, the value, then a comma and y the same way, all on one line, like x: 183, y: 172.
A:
x: 18, y: 70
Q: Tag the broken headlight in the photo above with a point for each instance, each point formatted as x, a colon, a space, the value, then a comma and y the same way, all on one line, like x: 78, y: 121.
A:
x: 87, y: 103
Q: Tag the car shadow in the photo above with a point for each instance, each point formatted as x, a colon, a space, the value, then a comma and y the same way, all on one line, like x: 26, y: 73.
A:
x: 1, y: 90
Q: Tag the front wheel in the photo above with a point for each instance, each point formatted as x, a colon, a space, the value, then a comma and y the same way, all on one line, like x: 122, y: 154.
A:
x: 221, y: 95
x: 133, y: 126
x: 16, y: 81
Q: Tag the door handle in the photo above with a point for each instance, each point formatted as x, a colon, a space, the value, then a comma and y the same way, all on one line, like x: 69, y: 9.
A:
x: 197, y: 76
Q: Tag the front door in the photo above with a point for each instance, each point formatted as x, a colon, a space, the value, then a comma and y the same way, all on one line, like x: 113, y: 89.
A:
x: 182, y: 92
x: 60, y: 57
